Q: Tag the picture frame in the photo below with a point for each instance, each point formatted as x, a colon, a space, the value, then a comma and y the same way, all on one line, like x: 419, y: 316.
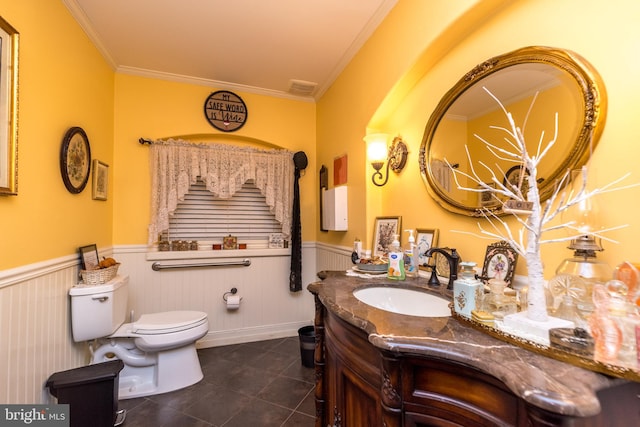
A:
x: 276, y: 241
x: 100, y: 181
x: 229, y: 242
x: 442, y: 263
x: 499, y: 262
x: 384, y: 229
x: 9, y: 43
x: 89, y: 257
x: 426, y: 238
x: 75, y: 160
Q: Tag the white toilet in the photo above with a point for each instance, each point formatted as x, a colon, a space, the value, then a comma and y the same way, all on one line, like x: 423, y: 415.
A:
x: 158, y: 350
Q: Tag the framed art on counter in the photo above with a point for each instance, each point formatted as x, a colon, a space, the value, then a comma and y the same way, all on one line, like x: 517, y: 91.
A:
x: 385, y: 227
x: 425, y: 239
x: 499, y: 262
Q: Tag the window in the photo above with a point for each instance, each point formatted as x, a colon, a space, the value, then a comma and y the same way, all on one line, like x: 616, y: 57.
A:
x: 201, y: 216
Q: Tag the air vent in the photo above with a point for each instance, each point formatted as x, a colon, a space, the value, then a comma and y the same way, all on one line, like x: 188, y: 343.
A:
x: 301, y: 87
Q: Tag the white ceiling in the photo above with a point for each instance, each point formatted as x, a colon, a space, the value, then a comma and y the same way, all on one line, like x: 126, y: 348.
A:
x: 258, y: 46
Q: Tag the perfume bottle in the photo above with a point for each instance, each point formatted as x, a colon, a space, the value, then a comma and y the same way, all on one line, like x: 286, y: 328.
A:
x: 467, y: 290
x: 569, y: 311
x: 604, y: 329
x: 498, y: 303
x: 626, y: 316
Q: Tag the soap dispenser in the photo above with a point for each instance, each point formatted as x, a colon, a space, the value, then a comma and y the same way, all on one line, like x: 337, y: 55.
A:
x: 396, y: 261
x: 467, y: 290
x: 411, y: 256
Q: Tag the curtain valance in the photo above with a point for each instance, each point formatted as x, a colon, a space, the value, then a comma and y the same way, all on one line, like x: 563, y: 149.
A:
x: 176, y: 164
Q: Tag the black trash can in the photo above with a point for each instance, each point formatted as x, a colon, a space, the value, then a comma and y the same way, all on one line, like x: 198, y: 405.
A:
x: 307, y: 336
x: 91, y: 392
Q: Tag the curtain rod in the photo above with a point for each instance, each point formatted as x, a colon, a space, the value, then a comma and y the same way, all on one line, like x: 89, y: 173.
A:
x: 144, y: 141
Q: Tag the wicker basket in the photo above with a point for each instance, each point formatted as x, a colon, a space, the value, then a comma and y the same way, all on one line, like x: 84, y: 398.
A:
x: 100, y: 276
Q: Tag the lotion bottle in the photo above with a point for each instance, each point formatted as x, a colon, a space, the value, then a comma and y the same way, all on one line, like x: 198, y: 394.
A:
x: 396, y: 261
x: 411, y: 256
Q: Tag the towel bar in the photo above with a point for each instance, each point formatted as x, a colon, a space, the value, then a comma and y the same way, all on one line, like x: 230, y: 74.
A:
x: 156, y: 266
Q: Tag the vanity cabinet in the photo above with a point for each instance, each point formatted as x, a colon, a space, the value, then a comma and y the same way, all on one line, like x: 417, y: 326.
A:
x: 352, y: 377
x: 361, y: 385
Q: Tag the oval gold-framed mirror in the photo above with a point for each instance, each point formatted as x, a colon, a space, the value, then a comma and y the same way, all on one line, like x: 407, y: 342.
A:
x: 561, y: 82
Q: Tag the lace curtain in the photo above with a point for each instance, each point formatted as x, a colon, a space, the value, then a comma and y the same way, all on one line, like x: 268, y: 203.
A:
x: 176, y: 164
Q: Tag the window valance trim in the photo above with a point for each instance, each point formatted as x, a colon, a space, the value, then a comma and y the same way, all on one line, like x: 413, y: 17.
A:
x: 176, y: 164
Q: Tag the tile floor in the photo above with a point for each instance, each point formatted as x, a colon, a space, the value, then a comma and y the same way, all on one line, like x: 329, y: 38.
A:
x: 254, y: 384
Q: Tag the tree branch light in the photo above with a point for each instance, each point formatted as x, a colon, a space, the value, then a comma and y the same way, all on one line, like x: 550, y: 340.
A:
x: 377, y: 153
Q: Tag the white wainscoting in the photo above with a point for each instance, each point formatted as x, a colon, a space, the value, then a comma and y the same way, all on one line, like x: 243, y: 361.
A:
x: 35, y: 316
x: 267, y: 309
x: 329, y: 257
x: 35, y: 329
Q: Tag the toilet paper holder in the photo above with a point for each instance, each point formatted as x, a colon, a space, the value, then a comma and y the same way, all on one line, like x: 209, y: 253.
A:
x: 233, y: 291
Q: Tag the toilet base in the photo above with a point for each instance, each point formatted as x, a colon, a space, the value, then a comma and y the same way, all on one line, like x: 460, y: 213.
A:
x: 173, y: 370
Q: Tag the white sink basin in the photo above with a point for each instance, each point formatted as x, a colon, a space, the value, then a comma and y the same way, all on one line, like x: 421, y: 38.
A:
x: 412, y: 302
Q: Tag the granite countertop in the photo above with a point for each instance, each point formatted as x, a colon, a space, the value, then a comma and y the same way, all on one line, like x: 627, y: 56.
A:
x: 547, y: 383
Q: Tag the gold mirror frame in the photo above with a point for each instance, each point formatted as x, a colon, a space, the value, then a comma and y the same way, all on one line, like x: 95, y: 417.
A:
x: 594, y: 100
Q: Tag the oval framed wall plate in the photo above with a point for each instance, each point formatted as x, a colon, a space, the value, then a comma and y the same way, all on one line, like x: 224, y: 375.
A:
x: 75, y: 160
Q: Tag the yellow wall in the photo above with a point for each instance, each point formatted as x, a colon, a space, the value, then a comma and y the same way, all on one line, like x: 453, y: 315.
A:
x: 156, y: 109
x: 63, y: 82
x: 345, y: 112
x: 605, y: 36
x: 392, y: 85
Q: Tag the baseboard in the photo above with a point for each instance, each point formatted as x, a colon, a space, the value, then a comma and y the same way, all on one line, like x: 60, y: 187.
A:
x: 245, y: 335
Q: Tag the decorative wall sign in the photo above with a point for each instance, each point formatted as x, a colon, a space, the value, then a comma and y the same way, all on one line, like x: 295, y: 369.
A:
x: 225, y: 111
x: 75, y: 160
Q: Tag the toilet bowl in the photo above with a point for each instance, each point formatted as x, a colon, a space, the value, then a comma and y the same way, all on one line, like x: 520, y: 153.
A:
x: 158, y: 349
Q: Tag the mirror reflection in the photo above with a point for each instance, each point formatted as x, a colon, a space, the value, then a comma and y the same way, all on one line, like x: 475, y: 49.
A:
x: 533, y: 83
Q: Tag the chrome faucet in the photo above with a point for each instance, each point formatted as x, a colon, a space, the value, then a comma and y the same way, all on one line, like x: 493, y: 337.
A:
x: 452, y: 258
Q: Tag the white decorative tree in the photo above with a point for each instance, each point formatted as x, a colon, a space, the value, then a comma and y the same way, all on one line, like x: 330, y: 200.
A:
x: 536, y: 217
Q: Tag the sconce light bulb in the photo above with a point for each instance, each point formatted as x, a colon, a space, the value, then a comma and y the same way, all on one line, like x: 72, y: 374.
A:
x: 376, y: 147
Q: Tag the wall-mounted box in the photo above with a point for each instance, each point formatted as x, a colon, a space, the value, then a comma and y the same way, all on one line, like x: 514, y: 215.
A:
x: 334, y: 209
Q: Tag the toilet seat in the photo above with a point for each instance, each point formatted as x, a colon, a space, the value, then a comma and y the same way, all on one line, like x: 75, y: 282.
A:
x: 167, y: 322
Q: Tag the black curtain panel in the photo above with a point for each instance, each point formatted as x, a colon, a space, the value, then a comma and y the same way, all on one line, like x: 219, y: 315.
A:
x: 295, y: 278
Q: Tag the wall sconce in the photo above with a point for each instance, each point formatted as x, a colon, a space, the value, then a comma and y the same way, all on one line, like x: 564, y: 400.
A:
x: 377, y: 153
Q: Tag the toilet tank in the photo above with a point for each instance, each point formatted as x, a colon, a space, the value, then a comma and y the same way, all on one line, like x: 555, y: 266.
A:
x: 98, y: 310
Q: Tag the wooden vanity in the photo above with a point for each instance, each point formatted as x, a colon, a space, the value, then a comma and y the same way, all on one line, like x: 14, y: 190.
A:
x: 377, y: 368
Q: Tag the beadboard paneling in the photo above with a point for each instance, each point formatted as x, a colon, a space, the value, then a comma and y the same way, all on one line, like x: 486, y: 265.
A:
x: 35, y: 324
x: 35, y: 329
x: 267, y: 309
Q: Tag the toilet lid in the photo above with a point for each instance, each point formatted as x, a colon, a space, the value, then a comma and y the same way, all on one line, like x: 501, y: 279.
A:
x: 168, y: 321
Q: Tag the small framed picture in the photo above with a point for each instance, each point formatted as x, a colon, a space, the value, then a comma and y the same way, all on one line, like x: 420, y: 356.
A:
x: 384, y: 230
x: 89, y: 257
x: 425, y: 240
x: 229, y: 242
x: 100, y: 183
x: 499, y: 262
x: 276, y: 241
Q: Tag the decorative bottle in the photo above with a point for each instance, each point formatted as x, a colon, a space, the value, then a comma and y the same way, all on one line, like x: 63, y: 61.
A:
x: 605, y: 331
x: 498, y: 303
x: 467, y: 290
